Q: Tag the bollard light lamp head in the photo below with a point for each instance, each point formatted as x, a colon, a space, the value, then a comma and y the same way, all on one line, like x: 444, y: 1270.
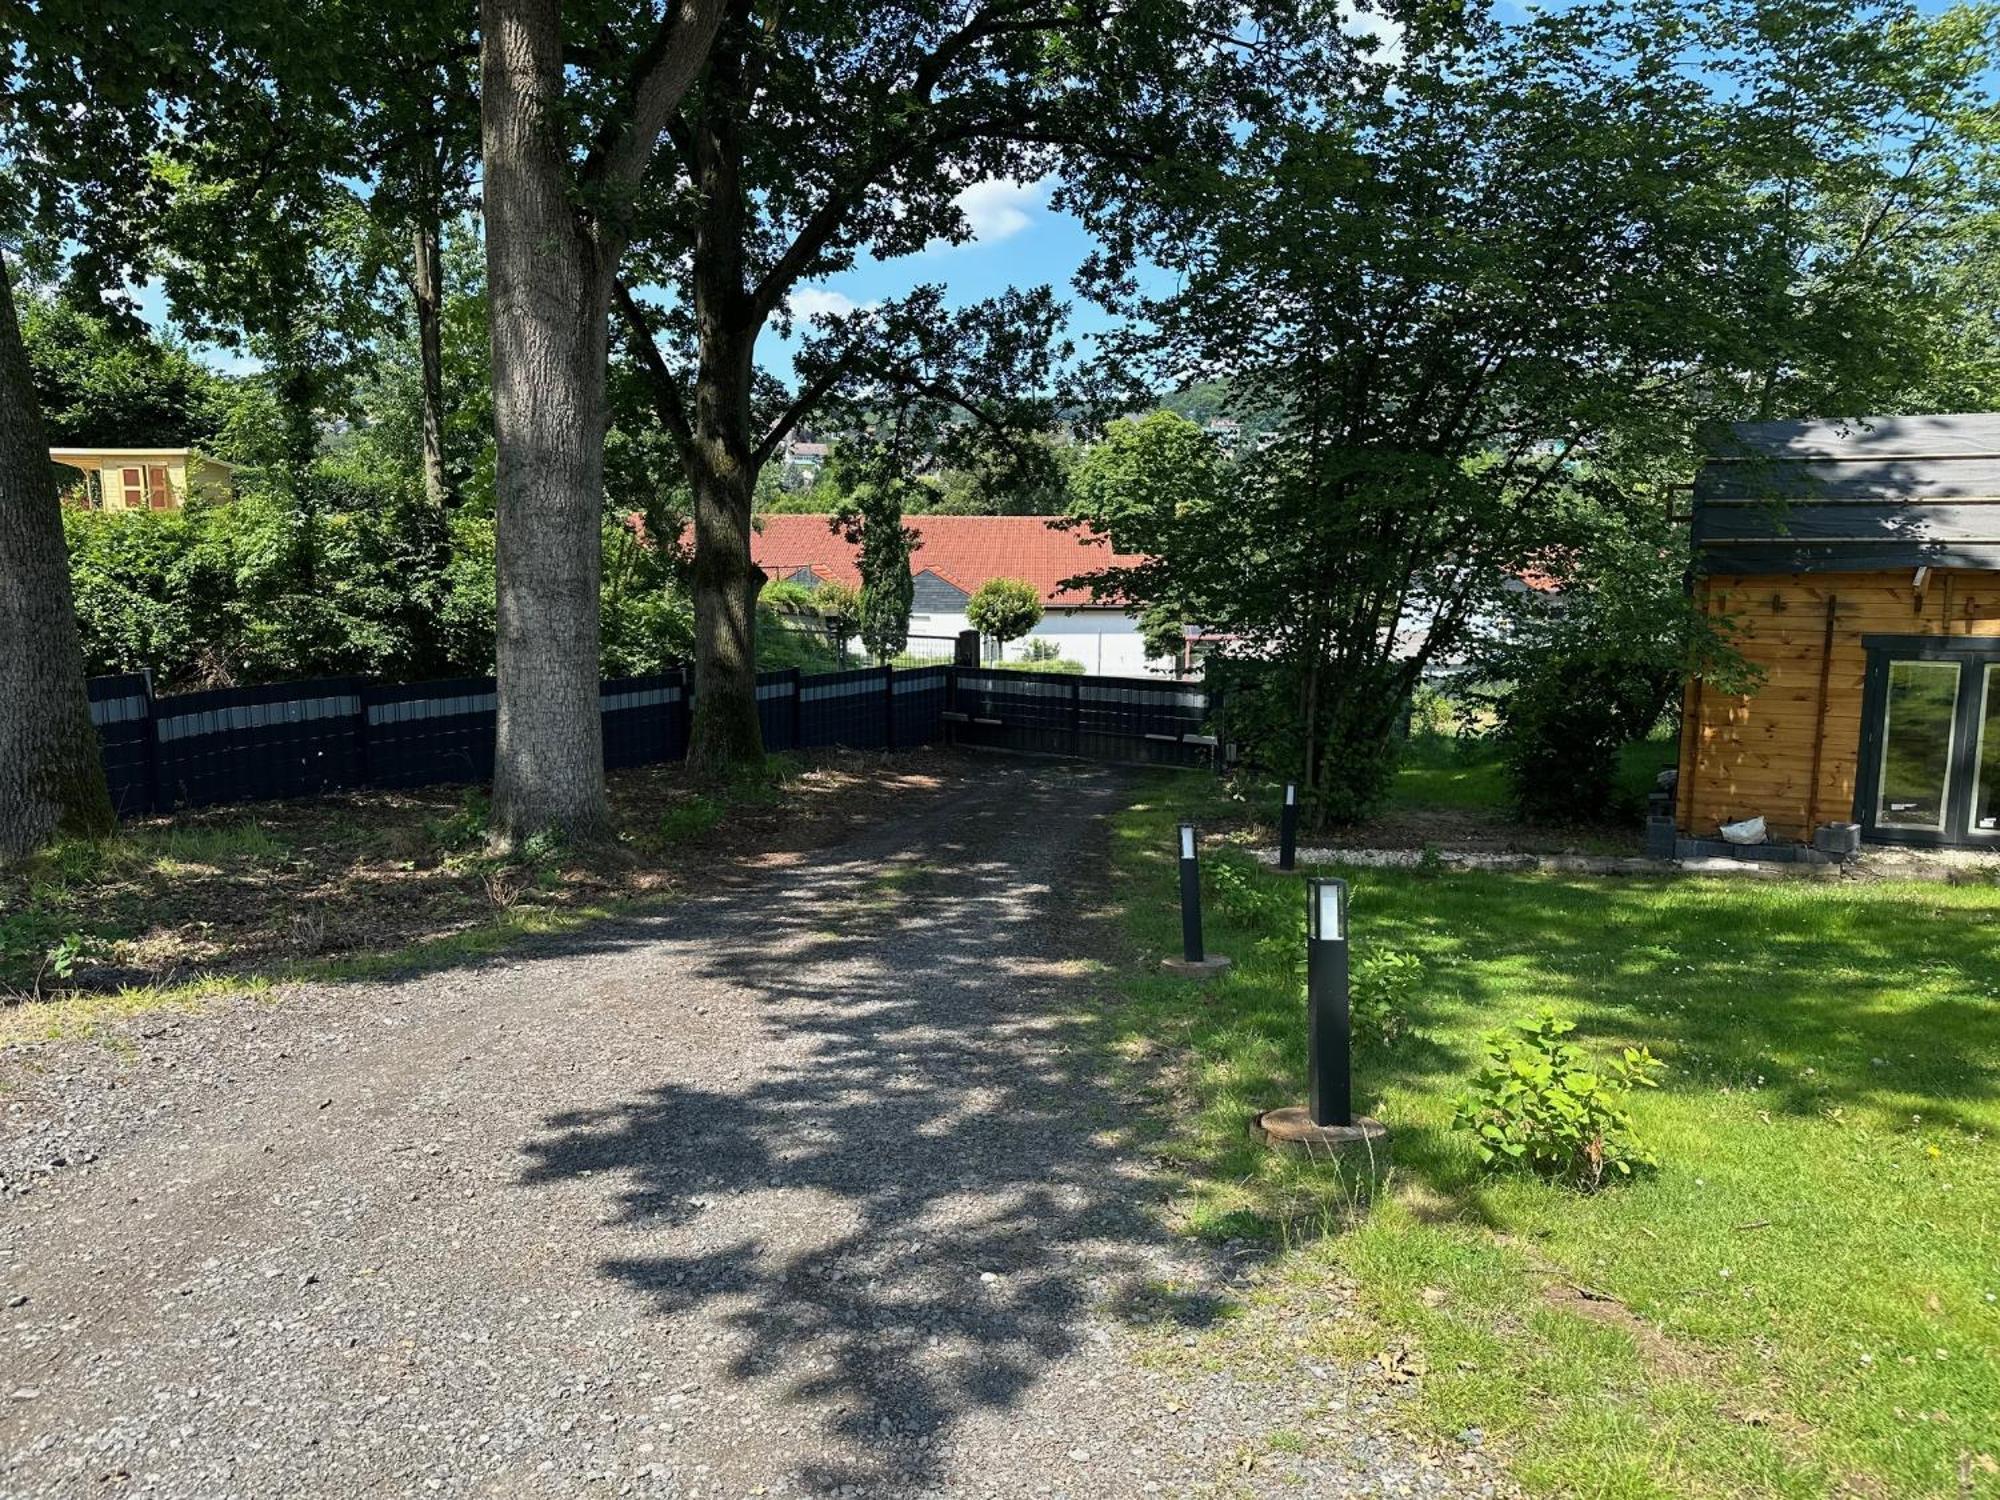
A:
x: 1291, y: 794
x: 1187, y: 841
x: 1326, y: 910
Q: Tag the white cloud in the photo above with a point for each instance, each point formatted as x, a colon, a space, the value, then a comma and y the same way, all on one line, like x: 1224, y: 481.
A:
x: 811, y: 301
x: 1000, y: 209
x: 1387, y: 32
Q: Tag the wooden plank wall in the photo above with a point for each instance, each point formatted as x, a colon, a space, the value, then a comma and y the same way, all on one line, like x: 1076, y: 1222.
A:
x: 1751, y: 755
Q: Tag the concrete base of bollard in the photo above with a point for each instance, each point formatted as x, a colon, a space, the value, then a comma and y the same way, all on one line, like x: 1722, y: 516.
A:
x: 1292, y: 1129
x: 1201, y: 968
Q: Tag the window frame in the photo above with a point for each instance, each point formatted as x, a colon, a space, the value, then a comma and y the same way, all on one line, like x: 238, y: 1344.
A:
x: 1972, y: 655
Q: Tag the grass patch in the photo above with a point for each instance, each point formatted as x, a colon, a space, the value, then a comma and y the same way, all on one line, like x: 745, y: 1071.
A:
x: 1444, y: 771
x: 1466, y: 773
x: 1802, y: 1300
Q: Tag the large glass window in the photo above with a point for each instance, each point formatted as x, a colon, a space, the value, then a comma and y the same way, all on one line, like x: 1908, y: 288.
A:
x: 1986, y: 767
x: 1917, y: 744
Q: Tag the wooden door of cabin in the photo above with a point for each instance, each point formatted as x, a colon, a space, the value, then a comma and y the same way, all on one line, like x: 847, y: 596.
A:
x: 1930, y: 741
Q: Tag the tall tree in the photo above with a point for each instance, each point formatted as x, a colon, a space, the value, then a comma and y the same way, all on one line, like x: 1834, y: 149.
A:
x: 562, y: 162
x: 51, y: 779
x: 1491, y: 288
x: 416, y: 81
x: 85, y: 91
x: 822, y: 133
x: 876, y: 479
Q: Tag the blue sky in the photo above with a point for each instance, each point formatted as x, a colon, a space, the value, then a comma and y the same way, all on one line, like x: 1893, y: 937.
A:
x: 1018, y: 240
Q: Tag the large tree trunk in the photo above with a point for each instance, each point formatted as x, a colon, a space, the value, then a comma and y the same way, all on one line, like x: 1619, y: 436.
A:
x: 725, y: 734
x: 550, y: 299
x: 51, y: 779
x: 427, y: 293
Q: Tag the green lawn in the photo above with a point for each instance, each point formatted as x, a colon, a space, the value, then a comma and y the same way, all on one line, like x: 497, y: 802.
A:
x: 1800, y: 1301
x: 1440, y: 771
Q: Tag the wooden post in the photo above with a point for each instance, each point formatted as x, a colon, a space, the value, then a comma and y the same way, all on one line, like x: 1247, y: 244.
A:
x: 1819, y: 718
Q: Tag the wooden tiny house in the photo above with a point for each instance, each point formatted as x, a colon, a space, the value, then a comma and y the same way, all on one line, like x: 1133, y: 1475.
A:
x: 1859, y: 565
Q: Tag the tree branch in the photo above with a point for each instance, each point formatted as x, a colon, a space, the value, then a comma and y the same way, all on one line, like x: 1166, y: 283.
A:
x: 810, y: 395
x: 667, y: 403
x: 665, y: 68
x: 825, y: 221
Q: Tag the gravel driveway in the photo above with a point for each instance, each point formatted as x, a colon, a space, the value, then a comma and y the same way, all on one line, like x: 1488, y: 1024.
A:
x: 808, y: 1184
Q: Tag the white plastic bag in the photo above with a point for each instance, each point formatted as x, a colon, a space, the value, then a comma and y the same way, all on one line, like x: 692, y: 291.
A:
x: 1749, y: 831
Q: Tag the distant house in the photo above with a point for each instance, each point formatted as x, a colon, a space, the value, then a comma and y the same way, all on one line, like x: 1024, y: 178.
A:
x: 805, y: 460
x: 141, y: 478
x: 954, y: 555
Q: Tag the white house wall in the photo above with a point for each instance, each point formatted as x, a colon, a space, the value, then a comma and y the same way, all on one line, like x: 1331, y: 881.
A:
x: 1106, y: 641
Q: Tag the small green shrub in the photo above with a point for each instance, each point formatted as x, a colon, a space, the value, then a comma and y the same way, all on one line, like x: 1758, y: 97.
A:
x: 1060, y: 664
x: 1379, y: 994
x: 543, y: 846
x: 690, y: 819
x: 35, y: 947
x: 1261, y: 906
x: 1542, y: 1102
x: 464, y: 828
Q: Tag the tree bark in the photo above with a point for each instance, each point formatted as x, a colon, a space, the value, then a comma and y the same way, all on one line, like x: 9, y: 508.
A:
x: 51, y: 776
x: 549, y: 303
x: 550, y: 269
x: 721, y: 459
x: 427, y: 294
x: 726, y: 734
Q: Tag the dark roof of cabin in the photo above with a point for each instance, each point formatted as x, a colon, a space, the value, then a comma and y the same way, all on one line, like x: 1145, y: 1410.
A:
x: 1862, y: 495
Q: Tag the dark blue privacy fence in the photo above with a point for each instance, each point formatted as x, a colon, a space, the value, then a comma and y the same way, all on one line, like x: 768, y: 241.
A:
x: 1141, y: 719
x: 298, y: 739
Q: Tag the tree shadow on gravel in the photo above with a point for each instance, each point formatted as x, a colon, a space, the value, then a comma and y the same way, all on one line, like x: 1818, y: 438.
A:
x: 901, y: 1218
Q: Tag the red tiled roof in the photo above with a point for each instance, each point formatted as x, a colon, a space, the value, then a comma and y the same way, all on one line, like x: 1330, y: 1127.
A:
x: 963, y: 550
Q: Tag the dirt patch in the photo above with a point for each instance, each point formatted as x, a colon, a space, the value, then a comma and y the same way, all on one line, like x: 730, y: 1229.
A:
x: 233, y: 891
x: 1667, y: 1358
x: 1660, y: 1353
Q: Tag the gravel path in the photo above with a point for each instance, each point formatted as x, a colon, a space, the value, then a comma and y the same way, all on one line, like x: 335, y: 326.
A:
x: 809, y: 1184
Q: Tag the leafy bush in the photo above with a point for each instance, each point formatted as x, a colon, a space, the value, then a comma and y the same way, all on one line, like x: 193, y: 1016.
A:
x: 1004, y: 608
x: 1262, y: 906
x: 1562, y: 729
x: 359, y: 575
x: 1379, y: 993
x: 646, y: 617
x: 1062, y: 666
x: 1541, y: 1102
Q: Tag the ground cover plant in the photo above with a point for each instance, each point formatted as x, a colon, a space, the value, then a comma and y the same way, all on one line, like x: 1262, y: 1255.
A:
x: 1802, y: 1299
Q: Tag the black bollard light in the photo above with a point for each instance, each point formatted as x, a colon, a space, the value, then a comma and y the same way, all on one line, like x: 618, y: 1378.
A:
x: 1288, y: 829
x: 1327, y: 1124
x: 1190, y: 897
x: 1329, y: 1087
x: 1195, y: 961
